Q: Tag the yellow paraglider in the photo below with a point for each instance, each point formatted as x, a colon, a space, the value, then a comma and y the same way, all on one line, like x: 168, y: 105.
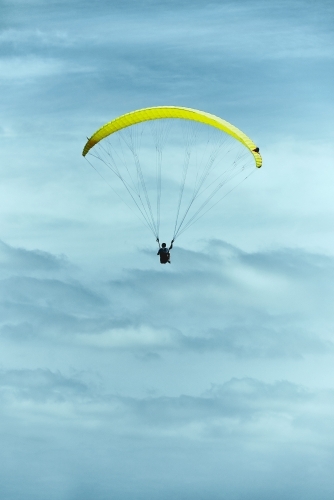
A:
x: 161, y: 112
x: 152, y: 182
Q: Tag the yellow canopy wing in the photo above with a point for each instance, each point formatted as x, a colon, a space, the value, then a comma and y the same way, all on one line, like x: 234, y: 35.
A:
x: 161, y: 112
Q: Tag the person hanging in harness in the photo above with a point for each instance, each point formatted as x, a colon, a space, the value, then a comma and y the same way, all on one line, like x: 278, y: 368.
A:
x: 164, y: 252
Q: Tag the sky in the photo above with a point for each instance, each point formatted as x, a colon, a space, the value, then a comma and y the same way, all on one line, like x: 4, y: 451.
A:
x: 211, y: 378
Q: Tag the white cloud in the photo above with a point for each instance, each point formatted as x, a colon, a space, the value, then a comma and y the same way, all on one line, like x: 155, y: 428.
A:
x: 22, y: 69
x: 131, y: 337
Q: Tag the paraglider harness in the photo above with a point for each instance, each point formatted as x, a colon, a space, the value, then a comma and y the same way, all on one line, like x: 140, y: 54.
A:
x: 164, y: 252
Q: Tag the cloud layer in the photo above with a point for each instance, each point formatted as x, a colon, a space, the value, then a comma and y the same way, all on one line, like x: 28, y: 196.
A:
x: 195, y: 445
x: 261, y: 304
x: 121, y: 378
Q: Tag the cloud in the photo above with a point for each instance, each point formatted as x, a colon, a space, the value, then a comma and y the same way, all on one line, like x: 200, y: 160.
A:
x: 40, y: 386
x: 247, y: 304
x: 20, y: 260
x: 186, y: 443
x: 23, y: 69
x: 236, y: 404
x: 260, y: 304
x: 34, y: 38
x: 121, y: 378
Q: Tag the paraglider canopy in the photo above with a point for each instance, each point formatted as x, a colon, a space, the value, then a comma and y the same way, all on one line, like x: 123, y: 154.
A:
x: 160, y: 112
x: 155, y: 152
